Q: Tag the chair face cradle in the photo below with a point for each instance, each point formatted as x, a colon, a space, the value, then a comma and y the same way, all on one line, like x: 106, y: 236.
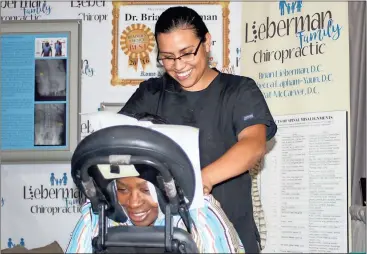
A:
x: 159, y: 160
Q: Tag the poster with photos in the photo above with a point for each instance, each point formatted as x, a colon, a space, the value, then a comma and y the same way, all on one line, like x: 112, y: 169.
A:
x: 34, y: 92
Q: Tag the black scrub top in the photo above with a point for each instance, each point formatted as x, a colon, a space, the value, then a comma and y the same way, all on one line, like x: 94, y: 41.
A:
x: 221, y: 111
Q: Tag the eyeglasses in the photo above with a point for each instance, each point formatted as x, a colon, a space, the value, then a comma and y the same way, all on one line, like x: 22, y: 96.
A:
x: 188, y: 57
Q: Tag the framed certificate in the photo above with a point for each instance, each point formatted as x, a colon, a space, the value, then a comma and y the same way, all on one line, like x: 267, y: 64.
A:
x: 133, y: 44
x: 40, y: 67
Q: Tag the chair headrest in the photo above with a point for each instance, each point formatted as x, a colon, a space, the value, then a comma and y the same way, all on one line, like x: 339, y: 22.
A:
x: 110, y: 145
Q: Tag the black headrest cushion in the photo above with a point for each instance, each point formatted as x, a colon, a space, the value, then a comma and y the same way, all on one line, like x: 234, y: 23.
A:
x: 136, y: 141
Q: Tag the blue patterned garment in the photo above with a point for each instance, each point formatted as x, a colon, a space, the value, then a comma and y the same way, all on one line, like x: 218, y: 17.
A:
x: 212, y: 231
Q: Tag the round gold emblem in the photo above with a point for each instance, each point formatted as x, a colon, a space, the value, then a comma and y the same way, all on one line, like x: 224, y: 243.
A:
x: 137, y: 41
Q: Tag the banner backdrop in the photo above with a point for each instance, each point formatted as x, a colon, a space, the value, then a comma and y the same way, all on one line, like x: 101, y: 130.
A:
x: 39, y: 204
x: 298, y: 53
x: 112, y: 66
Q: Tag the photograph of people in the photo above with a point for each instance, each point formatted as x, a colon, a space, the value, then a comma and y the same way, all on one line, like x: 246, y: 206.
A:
x: 58, y: 48
x: 50, y: 80
x: 46, y: 49
x: 50, y: 124
x: 212, y: 231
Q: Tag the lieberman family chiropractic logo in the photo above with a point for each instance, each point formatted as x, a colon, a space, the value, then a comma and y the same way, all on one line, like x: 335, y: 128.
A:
x: 61, y: 181
x: 69, y: 198
x: 30, y: 10
x: 12, y: 245
x: 91, y: 16
x: 311, y: 30
x: 290, y: 6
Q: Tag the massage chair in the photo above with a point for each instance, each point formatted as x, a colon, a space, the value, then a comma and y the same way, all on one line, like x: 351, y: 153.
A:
x: 157, y: 159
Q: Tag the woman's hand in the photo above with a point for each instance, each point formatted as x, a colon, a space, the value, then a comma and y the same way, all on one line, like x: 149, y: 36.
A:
x: 242, y: 156
x: 207, y: 183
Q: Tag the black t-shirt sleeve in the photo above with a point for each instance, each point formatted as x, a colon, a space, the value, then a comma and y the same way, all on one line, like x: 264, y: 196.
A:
x: 141, y: 101
x: 250, y: 108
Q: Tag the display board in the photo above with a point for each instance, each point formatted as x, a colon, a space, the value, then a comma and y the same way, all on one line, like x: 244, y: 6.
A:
x: 304, y: 184
x: 291, y: 49
x: 298, y: 54
x: 40, y: 90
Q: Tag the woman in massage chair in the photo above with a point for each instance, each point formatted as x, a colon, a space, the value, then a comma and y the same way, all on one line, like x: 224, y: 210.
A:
x: 212, y: 231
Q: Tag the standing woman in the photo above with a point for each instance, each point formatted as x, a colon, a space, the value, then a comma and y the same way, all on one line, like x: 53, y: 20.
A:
x: 230, y: 111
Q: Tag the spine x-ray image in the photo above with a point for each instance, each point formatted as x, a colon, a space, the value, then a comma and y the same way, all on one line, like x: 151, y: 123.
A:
x: 50, y: 80
x: 50, y: 126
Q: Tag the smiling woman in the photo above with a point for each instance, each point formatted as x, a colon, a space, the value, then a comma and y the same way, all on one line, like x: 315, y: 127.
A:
x: 134, y: 195
x: 229, y: 110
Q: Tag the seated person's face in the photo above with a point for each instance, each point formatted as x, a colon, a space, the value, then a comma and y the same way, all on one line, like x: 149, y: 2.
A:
x: 133, y: 194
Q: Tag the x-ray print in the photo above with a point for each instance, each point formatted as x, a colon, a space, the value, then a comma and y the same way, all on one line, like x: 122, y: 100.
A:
x: 50, y: 124
x: 50, y: 80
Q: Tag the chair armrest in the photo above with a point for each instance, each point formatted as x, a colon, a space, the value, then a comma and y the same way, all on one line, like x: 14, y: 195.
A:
x: 147, y: 237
